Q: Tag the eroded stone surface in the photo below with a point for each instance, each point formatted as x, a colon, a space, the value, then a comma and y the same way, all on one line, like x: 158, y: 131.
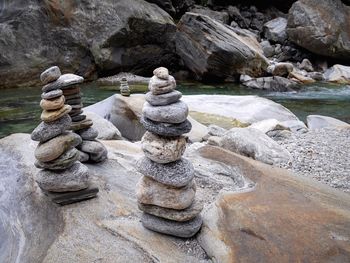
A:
x: 161, y: 72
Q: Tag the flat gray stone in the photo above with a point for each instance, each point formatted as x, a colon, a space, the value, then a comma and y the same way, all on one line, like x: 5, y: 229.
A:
x: 160, y: 86
x: 81, y: 125
x: 163, y: 99
x: 173, y: 113
x: 78, y: 118
x: 74, y: 178
x: 73, y: 96
x: 172, y: 214
x: 51, y: 94
x: 65, y: 161
x: 73, y: 197
x: 175, y: 174
x: 166, y: 129
x: 74, y: 101
x: 89, y: 134
x: 179, y: 229
x: 50, y: 75
x: 48, y: 130
x: 63, y: 81
x: 93, y: 147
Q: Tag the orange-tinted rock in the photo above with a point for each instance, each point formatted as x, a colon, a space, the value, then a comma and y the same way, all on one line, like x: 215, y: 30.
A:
x: 283, y: 219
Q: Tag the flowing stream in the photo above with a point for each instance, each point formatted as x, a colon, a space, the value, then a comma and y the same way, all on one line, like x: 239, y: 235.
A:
x: 20, y: 111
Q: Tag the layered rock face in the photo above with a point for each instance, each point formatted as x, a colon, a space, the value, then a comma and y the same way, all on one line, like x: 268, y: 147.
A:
x: 82, y: 37
x: 56, y: 154
x: 322, y: 27
x: 166, y: 192
x: 212, y: 50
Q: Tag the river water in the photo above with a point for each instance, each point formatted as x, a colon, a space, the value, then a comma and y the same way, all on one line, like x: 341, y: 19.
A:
x: 20, y: 111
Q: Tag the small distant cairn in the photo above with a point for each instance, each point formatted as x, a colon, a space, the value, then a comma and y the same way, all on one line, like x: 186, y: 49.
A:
x: 124, y: 87
x: 90, y: 150
x: 63, y: 177
x: 166, y: 192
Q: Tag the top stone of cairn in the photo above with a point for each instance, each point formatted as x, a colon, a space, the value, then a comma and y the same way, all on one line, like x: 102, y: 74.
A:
x: 50, y: 75
x: 161, y: 72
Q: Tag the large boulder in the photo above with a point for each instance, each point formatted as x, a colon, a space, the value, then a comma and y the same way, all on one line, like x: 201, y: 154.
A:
x: 222, y: 17
x: 256, y: 144
x: 275, y: 83
x: 338, y: 74
x: 321, y: 26
x: 214, y: 51
x: 319, y: 122
x: 275, y: 30
x: 82, y: 37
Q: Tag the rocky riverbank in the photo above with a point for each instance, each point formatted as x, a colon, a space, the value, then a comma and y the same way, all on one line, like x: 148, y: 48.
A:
x: 263, y: 45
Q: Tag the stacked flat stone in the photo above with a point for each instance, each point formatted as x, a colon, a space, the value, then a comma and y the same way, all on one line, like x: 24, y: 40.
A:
x: 56, y: 154
x: 166, y: 192
x: 90, y: 150
x: 124, y: 87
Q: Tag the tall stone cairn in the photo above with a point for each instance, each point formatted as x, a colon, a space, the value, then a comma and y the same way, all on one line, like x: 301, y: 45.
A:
x: 90, y: 150
x: 56, y: 154
x: 124, y: 87
x: 166, y: 192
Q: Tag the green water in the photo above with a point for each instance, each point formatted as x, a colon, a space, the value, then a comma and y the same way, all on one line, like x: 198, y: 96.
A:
x: 20, y: 111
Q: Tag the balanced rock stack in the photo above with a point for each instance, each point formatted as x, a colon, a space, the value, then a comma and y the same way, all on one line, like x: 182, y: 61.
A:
x: 56, y: 154
x: 90, y: 150
x: 124, y: 87
x: 166, y: 192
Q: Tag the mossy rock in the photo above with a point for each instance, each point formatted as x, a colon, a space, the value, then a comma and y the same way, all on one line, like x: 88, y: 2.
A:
x: 222, y: 121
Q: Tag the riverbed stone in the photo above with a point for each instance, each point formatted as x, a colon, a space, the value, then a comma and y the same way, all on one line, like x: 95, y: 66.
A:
x: 65, y: 161
x: 46, y: 131
x: 53, y: 148
x: 74, y: 178
x: 50, y: 75
x: 84, y: 124
x: 173, y: 113
x: 63, y: 81
x: 50, y: 116
x: 166, y: 129
x: 91, y: 147
x: 176, y: 174
x: 163, y: 99
x: 53, y: 104
x: 161, y: 149
x: 172, y: 214
x: 161, y: 72
x: 88, y: 134
x: 160, y: 86
x: 151, y: 192
x: 51, y: 94
x: 179, y: 229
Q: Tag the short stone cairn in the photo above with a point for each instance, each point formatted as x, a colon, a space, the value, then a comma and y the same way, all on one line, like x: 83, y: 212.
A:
x: 166, y: 192
x: 124, y: 87
x: 56, y: 154
x: 90, y: 150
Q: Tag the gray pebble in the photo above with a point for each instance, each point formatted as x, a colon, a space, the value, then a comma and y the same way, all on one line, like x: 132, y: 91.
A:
x: 166, y: 129
x: 163, y: 99
x: 65, y: 161
x: 173, y: 113
x: 52, y: 94
x: 50, y: 75
x: 89, y: 134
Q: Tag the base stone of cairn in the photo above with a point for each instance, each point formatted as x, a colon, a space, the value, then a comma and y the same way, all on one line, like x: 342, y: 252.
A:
x: 166, y: 192
x: 124, y: 87
x: 62, y: 177
x: 89, y: 150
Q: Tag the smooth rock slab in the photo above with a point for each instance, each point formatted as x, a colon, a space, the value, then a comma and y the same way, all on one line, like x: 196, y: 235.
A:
x: 176, y: 174
x: 172, y: 214
x: 50, y: 75
x: 49, y: 116
x: 55, y: 147
x: 51, y: 94
x: 173, y: 113
x: 65, y: 161
x: 160, y: 86
x: 46, y: 131
x: 173, y: 228
x: 53, y: 104
x: 74, y: 178
x: 163, y: 99
x: 161, y: 72
x: 166, y: 129
x: 319, y: 122
x: 150, y: 192
x: 63, y: 81
x: 163, y: 150
x: 88, y: 134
